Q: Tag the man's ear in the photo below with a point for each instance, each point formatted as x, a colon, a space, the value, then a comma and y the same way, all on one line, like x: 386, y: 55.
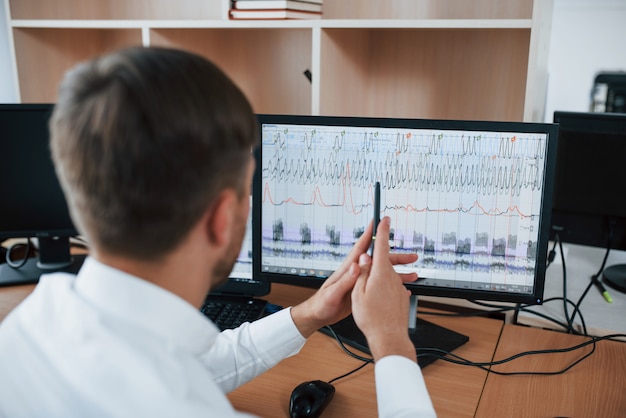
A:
x: 221, y: 215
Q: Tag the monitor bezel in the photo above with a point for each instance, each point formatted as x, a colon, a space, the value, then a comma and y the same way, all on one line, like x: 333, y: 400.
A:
x: 536, y: 297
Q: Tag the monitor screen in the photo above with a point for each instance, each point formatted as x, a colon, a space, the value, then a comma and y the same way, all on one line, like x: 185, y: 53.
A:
x: 34, y: 204
x: 589, y: 188
x: 471, y: 198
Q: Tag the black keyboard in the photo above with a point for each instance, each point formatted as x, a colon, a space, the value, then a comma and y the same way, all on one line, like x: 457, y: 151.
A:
x: 230, y: 313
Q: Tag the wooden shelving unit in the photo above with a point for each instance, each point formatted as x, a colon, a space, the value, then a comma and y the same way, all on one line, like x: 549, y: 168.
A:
x: 444, y: 59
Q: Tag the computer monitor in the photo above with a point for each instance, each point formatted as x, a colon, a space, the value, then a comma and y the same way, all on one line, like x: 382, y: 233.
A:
x: 244, y: 279
x: 33, y: 202
x: 471, y: 198
x: 34, y: 205
x: 589, y: 206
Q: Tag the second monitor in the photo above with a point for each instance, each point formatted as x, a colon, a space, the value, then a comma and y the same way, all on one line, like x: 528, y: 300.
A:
x: 472, y: 199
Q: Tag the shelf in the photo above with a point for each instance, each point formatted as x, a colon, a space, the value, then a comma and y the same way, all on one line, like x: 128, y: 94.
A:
x: 118, y: 9
x: 425, y: 73
x: 44, y: 55
x: 428, y: 9
x: 311, y: 24
x: 440, y: 59
x: 255, y: 59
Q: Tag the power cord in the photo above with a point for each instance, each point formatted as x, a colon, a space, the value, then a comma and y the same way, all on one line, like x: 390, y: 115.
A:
x: 13, y: 247
x: 487, y: 366
x: 551, y: 255
x: 456, y: 359
x: 570, y: 319
x: 500, y: 309
x: 595, y: 278
x: 365, y: 360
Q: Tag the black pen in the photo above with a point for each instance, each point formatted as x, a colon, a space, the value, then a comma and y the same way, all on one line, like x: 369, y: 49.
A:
x: 376, y: 215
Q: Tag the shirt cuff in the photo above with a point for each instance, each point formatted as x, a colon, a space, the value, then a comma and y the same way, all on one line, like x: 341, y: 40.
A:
x: 279, y: 332
x: 400, y: 389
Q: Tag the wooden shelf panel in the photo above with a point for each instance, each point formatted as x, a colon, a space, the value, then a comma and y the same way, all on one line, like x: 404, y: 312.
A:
x: 427, y: 9
x: 267, y: 64
x: 44, y: 55
x: 118, y: 9
x: 425, y: 73
x: 275, y: 24
x: 452, y: 59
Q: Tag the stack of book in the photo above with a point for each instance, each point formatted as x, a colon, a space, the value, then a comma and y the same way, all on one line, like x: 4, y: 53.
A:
x: 276, y: 9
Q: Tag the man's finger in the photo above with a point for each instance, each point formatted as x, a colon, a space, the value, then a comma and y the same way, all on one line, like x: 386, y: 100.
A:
x: 381, y: 243
x: 402, y: 258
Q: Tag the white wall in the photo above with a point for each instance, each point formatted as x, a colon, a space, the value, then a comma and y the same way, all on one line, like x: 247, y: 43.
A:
x: 588, y: 36
x: 8, y: 93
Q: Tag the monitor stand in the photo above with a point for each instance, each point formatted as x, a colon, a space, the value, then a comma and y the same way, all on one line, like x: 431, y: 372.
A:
x: 615, y: 276
x: 425, y: 336
x: 54, y: 256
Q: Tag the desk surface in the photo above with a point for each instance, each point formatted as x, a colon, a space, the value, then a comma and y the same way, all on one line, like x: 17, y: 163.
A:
x: 595, y: 387
x: 455, y: 390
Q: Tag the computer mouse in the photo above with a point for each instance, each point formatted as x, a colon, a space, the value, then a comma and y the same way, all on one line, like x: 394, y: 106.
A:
x: 309, y: 399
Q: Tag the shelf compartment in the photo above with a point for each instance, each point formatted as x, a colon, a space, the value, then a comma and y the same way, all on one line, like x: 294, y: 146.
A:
x: 268, y: 64
x: 425, y: 73
x: 44, y: 55
x: 428, y: 9
x: 119, y: 9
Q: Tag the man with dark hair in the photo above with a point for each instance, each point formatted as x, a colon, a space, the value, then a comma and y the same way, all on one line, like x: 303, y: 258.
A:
x: 153, y: 149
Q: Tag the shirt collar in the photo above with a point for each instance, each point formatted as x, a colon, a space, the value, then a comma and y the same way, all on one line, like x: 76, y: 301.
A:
x: 146, y: 305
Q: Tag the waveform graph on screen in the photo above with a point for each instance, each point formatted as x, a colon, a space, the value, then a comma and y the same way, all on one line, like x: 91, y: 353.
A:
x: 467, y: 202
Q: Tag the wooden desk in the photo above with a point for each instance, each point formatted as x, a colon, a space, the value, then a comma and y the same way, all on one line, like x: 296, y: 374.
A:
x: 455, y: 390
x: 594, y: 388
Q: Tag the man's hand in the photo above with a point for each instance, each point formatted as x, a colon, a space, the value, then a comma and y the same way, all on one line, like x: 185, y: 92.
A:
x: 380, y: 302
x: 332, y: 302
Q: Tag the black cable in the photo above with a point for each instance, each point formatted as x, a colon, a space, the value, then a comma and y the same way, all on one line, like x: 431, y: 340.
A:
x: 576, y: 311
x: 365, y: 363
x: 518, y: 308
x: 22, y: 262
x: 344, y: 348
x: 570, y: 320
x: 365, y: 360
x: 595, y: 276
x: 456, y: 359
x: 499, y: 309
x: 524, y: 308
x: 486, y: 366
x: 551, y: 255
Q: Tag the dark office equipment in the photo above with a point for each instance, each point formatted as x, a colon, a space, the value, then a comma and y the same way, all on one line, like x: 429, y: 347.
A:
x: 609, y: 92
x: 309, y: 399
x: 229, y: 313
x: 33, y: 204
x: 472, y: 199
x: 589, y: 206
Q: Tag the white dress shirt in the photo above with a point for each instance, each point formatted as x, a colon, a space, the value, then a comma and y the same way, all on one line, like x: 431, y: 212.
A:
x: 108, y: 344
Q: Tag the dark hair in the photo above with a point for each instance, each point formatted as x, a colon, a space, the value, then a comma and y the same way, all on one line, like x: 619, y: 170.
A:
x: 143, y: 140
